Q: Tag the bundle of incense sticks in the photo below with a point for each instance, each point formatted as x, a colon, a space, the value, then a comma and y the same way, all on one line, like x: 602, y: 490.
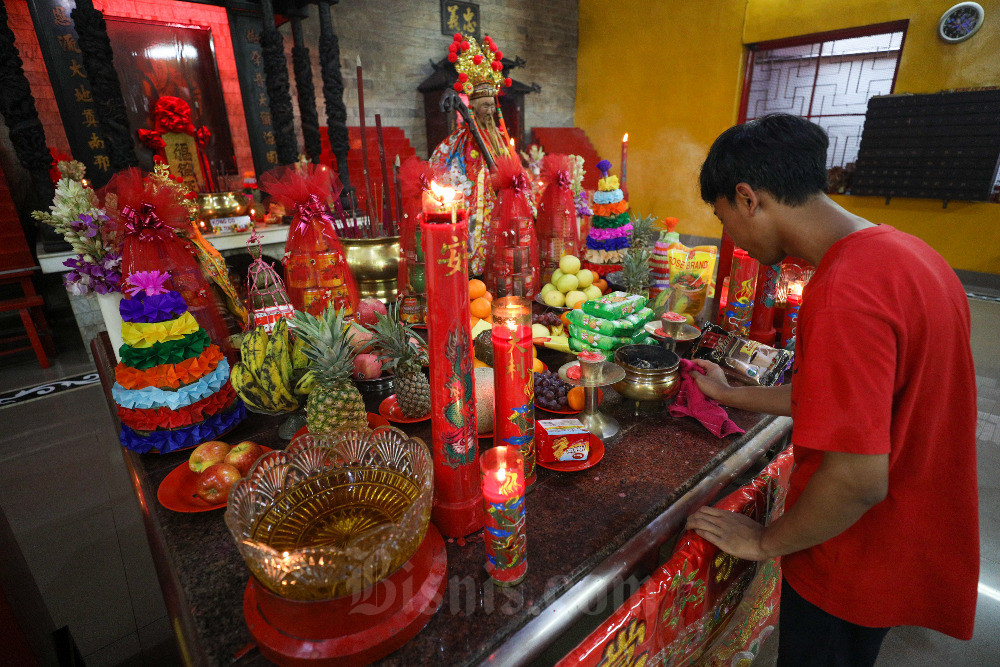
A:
x: 375, y: 202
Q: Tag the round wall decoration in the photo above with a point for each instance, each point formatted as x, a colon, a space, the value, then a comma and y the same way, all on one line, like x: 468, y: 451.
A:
x: 960, y: 22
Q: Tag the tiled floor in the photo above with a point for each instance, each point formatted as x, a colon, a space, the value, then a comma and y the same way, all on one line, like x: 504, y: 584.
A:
x: 66, y: 494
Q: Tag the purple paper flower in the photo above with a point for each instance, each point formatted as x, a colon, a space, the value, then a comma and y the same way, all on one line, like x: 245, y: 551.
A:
x: 150, y: 282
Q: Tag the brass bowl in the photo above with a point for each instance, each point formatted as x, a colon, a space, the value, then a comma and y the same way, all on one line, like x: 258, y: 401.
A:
x: 374, y: 263
x: 333, y: 514
x: 648, y: 384
x: 221, y: 205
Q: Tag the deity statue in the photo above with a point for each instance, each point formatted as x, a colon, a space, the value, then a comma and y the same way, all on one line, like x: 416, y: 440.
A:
x: 481, y: 79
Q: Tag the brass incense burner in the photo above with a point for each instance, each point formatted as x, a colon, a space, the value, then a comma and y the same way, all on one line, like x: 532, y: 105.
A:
x: 221, y: 205
x: 374, y: 263
x: 651, y: 373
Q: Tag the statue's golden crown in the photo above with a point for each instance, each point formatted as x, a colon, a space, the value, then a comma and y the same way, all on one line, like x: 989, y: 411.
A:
x: 480, y: 70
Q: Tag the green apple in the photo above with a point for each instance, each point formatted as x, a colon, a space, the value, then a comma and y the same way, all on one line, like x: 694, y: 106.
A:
x: 554, y: 298
x: 567, y: 283
x: 586, y: 278
x: 546, y: 288
x: 569, y: 264
x: 593, y: 292
x: 556, y: 275
x: 574, y: 297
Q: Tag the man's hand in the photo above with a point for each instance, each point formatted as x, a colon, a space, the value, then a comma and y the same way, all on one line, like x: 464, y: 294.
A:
x: 712, y: 381
x: 734, y: 533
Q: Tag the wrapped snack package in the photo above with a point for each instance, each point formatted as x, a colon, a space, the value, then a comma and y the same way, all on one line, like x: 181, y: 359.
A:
x: 745, y: 360
x: 605, y: 342
x: 615, y: 305
x: 624, y: 326
x: 577, y: 345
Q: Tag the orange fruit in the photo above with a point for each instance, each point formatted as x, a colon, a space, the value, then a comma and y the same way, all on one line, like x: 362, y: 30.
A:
x: 489, y: 296
x: 564, y: 319
x: 534, y: 351
x: 476, y: 363
x: 477, y: 288
x: 473, y: 322
x: 538, y: 366
x: 574, y: 398
x: 480, y: 308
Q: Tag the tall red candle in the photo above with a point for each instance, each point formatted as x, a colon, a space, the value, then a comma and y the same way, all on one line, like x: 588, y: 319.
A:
x: 739, y: 300
x: 514, y: 378
x: 793, y: 301
x: 503, y: 495
x: 458, y: 505
x: 762, y: 322
x: 624, y: 161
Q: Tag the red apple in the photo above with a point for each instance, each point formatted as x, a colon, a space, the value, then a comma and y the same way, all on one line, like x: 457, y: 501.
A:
x: 243, y: 455
x: 207, y: 454
x: 213, y: 485
x: 368, y: 311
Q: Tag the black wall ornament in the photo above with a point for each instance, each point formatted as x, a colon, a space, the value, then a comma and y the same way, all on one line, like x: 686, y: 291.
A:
x: 279, y: 96
x: 308, y: 116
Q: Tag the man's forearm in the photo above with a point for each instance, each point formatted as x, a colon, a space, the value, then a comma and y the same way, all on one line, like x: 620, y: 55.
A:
x: 769, y: 400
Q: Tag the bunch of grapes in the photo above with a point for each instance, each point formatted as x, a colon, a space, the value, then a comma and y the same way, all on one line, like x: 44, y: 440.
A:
x: 548, y: 318
x: 550, y: 391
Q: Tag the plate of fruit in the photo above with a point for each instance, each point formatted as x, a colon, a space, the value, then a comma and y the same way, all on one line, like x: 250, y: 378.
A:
x: 553, y: 394
x: 389, y: 408
x: 202, y: 483
x: 569, y: 285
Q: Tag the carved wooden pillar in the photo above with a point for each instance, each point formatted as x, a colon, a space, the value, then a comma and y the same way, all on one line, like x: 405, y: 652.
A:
x: 333, y: 95
x: 308, y: 116
x: 276, y: 78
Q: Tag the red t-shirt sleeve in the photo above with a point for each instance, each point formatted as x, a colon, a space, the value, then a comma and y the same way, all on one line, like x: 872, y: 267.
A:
x: 842, y: 386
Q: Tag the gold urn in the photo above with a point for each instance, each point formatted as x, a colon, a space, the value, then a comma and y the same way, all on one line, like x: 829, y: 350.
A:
x: 213, y: 205
x: 374, y: 263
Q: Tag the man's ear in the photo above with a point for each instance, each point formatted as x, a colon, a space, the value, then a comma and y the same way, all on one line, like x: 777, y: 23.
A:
x: 747, y: 199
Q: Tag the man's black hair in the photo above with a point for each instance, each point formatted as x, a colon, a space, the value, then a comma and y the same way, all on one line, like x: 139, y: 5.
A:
x: 780, y: 153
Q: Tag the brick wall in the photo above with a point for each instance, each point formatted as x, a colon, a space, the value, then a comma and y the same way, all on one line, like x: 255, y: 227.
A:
x: 396, y: 39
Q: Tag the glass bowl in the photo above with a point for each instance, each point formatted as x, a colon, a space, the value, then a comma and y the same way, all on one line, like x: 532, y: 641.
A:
x: 333, y: 514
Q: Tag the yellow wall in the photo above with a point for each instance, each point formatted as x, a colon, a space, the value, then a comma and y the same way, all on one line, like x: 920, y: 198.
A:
x: 669, y: 73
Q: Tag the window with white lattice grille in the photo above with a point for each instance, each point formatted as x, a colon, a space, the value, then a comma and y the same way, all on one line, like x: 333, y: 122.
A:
x: 828, y: 80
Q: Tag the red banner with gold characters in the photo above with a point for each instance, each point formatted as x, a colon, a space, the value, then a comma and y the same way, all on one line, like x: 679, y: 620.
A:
x: 703, y: 606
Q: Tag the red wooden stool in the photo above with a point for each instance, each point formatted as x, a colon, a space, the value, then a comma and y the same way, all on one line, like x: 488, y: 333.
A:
x: 29, y: 307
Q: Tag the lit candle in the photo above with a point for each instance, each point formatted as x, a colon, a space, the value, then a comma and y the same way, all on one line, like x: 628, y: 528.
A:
x: 624, y: 159
x: 513, y: 374
x: 793, y: 301
x: 458, y: 509
x: 503, y: 497
x: 739, y: 299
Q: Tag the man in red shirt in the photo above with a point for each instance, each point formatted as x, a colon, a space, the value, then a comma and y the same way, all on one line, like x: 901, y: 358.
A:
x: 881, y: 526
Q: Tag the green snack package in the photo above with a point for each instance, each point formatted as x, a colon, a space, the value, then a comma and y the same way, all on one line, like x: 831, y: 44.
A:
x: 626, y: 326
x: 576, y: 345
x: 602, y: 341
x: 615, y: 305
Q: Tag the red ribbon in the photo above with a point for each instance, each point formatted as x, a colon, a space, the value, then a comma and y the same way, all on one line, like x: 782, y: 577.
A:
x: 520, y: 184
x: 202, y: 136
x: 313, y: 208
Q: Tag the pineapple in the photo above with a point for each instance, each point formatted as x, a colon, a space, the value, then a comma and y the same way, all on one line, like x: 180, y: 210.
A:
x: 643, y: 230
x: 334, y: 403
x: 405, y: 357
x: 635, y: 270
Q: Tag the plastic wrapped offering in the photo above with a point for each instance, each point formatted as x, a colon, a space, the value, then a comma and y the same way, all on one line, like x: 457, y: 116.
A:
x: 745, y: 360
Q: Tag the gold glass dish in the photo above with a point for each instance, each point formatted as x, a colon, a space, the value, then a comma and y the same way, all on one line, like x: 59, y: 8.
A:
x: 333, y: 514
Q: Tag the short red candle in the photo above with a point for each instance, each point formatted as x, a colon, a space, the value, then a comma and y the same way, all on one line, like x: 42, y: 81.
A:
x: 514, y: 378
x: 458, y: 508
x: 503, y: 496
x: 793, y: 301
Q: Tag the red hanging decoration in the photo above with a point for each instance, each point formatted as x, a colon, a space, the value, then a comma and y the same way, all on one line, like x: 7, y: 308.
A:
x: 556, y: 227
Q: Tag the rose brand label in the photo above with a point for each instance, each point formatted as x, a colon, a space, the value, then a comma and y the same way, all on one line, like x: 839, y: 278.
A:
x: 562, y: 440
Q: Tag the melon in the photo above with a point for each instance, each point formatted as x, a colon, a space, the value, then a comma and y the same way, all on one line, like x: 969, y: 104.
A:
x: 484, y: 399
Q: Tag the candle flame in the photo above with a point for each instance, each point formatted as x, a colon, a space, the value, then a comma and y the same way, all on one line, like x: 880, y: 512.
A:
x: 443, y: 193
x: 796, y: 288
x: 625, y: 138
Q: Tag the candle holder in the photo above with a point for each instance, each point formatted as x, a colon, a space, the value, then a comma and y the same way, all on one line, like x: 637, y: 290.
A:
x: 595, y: 373
x: 739, y: 299
x: 503, y: 496
x: 458, y: 508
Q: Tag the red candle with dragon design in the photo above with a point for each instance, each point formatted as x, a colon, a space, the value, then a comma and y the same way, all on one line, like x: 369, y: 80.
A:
x: 739, y: 301
x: 503, y: 496
x: 458, y: 508
x: 514, y: 406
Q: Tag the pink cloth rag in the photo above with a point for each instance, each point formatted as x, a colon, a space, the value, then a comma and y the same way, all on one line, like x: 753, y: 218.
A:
x: 690, y: 402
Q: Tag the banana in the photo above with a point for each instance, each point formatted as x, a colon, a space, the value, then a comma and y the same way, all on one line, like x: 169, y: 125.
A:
x: 246, y: 387
x: 305, y: 383
x: 253, y: 348
x: 273, y: 384
x: 299, y: 358
x: 279, y: 349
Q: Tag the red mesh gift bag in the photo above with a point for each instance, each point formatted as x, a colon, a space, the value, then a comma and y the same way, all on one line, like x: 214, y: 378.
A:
x: 147, y: 219
x: 556, y: 226
x: 415, y: 176
x: 316, y: 271
x: 512, y: 226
